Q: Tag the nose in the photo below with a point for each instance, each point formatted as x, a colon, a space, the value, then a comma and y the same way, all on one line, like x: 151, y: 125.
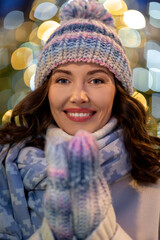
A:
x: 79, y: 96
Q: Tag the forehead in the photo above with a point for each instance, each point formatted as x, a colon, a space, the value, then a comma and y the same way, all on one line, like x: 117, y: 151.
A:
x: 82, y: 67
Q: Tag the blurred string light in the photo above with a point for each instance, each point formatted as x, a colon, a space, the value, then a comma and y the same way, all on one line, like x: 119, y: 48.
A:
x: 134, y: 19
x: 13, y: 19
x: 154, y: 10
x: 142, y: 79
x: 32, y: 82
x: 153, y: 58
x: 115, y: 7
x: 154, y: 13
x: 18, y: 83
x: 46, y: 29
x: 33, y: 37
x: 129, y: 37
x: 7, y: 116
x: 21, y: 58
x: 140, y: 98
x: 155, y: 72
x: 45, y: 11
x: 29, y: 72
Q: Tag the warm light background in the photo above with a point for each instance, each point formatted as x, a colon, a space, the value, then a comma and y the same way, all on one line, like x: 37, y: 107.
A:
x: 25, y: 25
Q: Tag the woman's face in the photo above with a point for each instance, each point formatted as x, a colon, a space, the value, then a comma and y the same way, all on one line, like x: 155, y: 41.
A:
x: 81, y: 96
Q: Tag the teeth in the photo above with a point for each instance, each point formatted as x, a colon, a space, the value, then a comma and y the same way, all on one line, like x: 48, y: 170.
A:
x: 79, y: 114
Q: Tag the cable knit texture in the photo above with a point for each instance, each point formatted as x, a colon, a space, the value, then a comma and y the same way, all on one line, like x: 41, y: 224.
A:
x: 85, y: 35
x: 78, y: 197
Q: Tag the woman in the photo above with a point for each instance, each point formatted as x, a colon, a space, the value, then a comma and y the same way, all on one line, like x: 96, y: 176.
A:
x: 81, y: 165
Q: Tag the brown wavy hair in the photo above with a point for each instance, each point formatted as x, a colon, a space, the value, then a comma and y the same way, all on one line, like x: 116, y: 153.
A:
x: 144, y: 150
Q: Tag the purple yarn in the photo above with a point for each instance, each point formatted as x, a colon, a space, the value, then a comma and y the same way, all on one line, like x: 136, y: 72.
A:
x: 87, y: 9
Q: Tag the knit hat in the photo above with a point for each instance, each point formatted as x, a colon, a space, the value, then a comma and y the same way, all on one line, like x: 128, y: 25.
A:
x: 86, y: 34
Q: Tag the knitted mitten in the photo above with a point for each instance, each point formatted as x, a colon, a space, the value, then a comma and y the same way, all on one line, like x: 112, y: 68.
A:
x: 57, y: 204
x: 90, y: 195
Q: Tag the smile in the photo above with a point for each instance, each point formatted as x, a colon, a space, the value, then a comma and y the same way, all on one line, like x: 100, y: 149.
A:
x: 79, y: 115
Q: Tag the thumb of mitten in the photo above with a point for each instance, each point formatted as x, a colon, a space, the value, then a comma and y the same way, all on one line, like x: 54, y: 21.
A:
x: 57, y: 204
x: 89, y: 192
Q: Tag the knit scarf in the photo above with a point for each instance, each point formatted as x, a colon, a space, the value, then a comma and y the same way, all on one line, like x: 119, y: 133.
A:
x: 113, y: 157
x: 23, y: 179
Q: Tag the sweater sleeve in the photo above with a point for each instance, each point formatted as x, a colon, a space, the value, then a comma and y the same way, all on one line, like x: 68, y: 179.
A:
x: 107, y: 230
x: 44, y: 233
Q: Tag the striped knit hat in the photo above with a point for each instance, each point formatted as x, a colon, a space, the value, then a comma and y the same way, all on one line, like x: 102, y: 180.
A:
x: 86, y: 34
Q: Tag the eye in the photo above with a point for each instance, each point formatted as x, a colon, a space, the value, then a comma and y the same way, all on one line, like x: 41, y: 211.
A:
x: 97, y: 81
x: 62, y: 81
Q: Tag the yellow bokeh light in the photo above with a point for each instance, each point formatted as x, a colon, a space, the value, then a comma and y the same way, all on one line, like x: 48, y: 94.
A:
x: 115, y: 7
x: 21, y: 58
x: 140, y: 98
x: 134, y: 19
x: 29, y: 72
x: 118, y: 22
x: 33, y: 37
x: 7, y: 117
x: 46, y: 29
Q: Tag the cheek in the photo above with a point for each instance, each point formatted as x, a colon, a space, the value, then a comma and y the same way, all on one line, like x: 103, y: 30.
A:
x: 105, y: 100
x: 54, y: 99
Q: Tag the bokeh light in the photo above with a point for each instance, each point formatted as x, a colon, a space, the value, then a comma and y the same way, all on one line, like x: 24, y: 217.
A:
x: 45, y: 11
x: 154, y: 22
x: 115, y: 7
x: 130, y: 37
x: 21, y: 58
x: 29, y: 72
x: 33, y: 36
x: 46, y: 29
x: 134, y: 19
x: 32, y: 82
x: 154, y: 10
x: 142, y: 79
x: 7, y: 117
x: 153, y: 58
x: 155, y: 72
x: 13, y: 19
x: 141, y: 98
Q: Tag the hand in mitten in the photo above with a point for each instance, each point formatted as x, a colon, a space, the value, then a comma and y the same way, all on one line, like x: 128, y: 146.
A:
x: 57, y: 204
x: 90, y: 194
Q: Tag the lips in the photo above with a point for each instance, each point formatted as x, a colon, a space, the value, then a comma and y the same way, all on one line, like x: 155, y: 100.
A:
x: 79, y: 114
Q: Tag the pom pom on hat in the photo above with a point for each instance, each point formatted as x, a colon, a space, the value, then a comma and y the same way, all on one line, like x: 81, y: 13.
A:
x: 87, y: 9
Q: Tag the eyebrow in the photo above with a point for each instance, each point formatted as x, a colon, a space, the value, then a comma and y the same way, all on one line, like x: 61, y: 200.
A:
x: 89, y: 73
